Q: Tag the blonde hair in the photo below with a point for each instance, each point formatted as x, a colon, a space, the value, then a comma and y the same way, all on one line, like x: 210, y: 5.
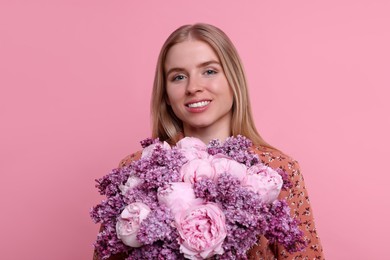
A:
x: 165, y: 124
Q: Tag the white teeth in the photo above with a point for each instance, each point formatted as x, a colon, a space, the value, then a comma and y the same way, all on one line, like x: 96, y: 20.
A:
x: 199, y: 104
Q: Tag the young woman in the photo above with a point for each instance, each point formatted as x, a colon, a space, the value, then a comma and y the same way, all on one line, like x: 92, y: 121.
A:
x: 200, y: 90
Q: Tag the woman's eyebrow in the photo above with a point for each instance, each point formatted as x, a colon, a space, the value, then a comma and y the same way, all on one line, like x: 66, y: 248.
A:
x: 200, y: 65
x: 207, y: 63
x: 174, y: 70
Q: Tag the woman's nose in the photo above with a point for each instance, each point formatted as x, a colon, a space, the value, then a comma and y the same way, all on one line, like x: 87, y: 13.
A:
x: 194, y: 85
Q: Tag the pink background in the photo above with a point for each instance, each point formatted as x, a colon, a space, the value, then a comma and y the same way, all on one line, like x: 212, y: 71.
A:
x: 76, y: 77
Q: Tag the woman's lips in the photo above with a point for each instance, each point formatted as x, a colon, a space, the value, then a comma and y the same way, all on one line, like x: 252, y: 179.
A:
x: 198, y: 104
x: 197, y: 107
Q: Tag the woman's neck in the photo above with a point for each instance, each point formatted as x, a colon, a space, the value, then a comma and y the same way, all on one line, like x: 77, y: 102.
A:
x: 207, y: 134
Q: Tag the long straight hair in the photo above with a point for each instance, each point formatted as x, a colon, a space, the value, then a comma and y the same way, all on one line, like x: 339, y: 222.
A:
x: 165, y: 124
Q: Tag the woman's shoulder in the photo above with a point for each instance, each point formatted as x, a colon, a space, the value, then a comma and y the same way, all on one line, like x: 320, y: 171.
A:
x: 275, y: 158
x: 297, y: 198
x: 130, y: 158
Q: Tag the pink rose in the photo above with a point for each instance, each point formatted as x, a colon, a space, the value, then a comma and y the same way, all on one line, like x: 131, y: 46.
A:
x: 196, y: 169
x: 131, y: 183
x: 192, y: 148
x: 178, y: 196
x: 147, y: 151
x: 129, y: 222
x: 202, y: 231
x: 224, y: 164
x: 265, y: 181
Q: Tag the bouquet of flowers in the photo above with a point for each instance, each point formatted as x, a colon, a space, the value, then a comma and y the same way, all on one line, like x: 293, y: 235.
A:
x: 193, y: 201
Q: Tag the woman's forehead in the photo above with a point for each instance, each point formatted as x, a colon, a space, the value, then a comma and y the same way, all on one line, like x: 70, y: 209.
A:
x: 190, y: 53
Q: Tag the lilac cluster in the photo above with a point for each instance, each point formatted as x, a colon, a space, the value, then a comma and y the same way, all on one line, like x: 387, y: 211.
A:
x: 158, y: 236
x: 149, y: 141
x: 158, y: 226
x: 242, y: 209
x: 107, y: 242
x: 108, y: 185
x: 247, y: 217
x: 159, y: 168
x: 206, y: 189
x: 238, y: 148
x: 142, y: 194
x: 156, y: 251
x: 241, y: 224
x: 281, y: 227
x: 286, y: 180
x: 108, y: 209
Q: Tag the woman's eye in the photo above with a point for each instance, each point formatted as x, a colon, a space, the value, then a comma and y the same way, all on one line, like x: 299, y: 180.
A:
x: 178, y: 77
x: 210, y: 72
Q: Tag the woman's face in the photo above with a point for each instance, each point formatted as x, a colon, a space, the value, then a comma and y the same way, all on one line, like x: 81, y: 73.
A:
x: 197, y: 89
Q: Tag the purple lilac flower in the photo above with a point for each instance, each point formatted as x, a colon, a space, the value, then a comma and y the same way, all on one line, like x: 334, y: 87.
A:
x: 228, y: 188
x: 161, y: 168
x: 283, y: 228
x: 247, y: 217
x: 109, y: 184
x: 206, y: 189
x: 158, y: 226
x: 214, y: 147
x: 108, y: 209
x: 231, y: 255
x: 148, y: 141
x: 286, y: 180
x: 107, y: 242
x: 238, y: 148
x: 242, y: 209
x: 157, y: 251
x: 142, y: 194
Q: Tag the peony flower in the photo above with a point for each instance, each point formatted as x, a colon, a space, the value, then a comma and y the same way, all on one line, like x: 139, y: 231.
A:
x: 224, y: 164
x: 202, y: 231
x: 197, y: 169
x: 129, y: 222
x: 193, y: 148
x: 149, y: 149
x: 191, y: 143
x: 131, y: 183
x: 178, y: 197
x: 265, y: 181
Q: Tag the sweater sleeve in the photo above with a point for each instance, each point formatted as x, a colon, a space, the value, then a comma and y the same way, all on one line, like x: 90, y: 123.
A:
x: 299, y: 203
x: 129, y: 159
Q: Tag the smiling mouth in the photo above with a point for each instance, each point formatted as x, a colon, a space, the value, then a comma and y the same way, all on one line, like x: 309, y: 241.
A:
x: 198, y: 104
